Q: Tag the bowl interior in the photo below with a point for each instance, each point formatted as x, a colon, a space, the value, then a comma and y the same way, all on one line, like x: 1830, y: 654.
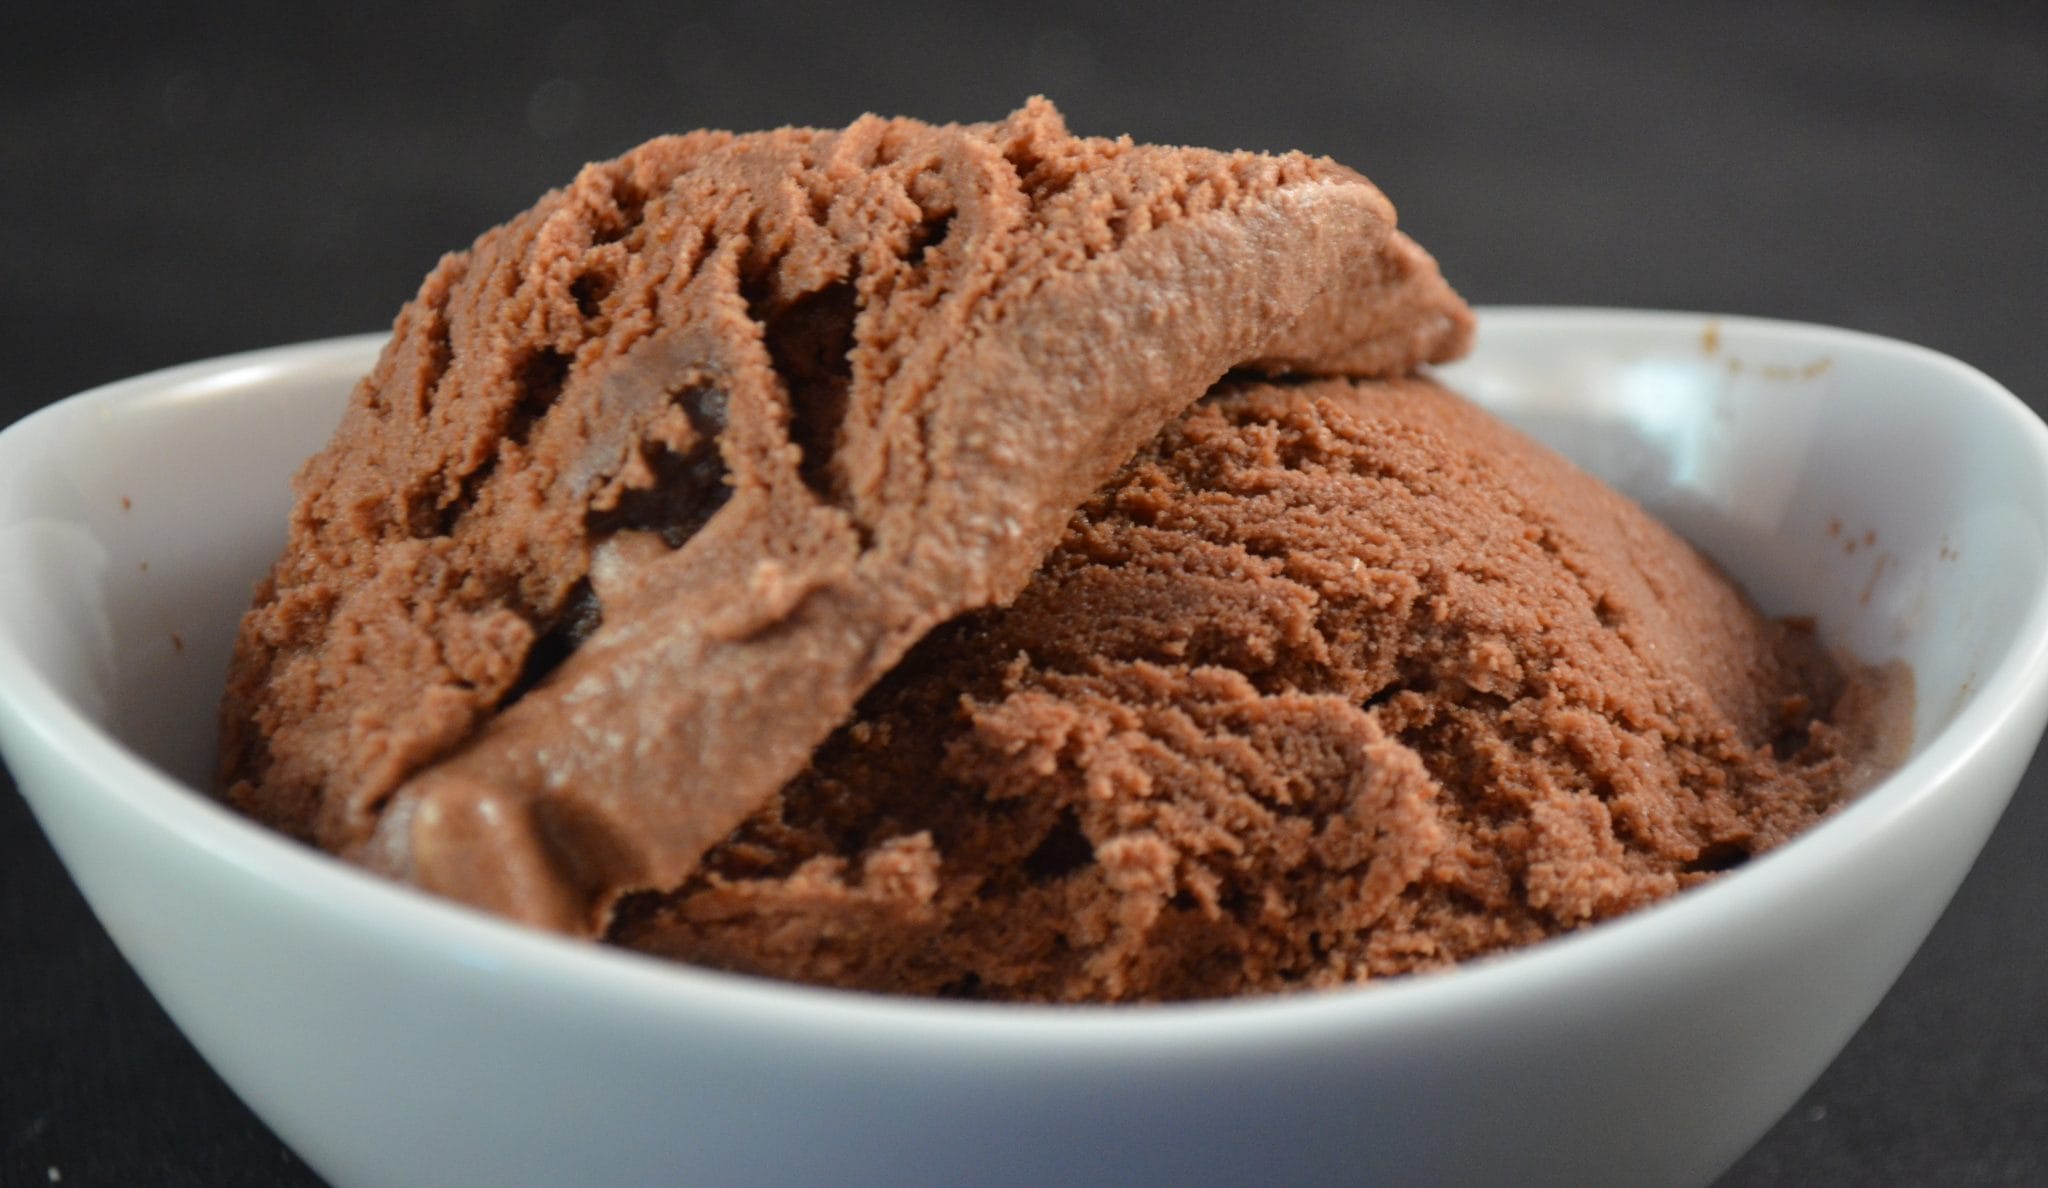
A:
x: 135, y: 523
x: 1892, y: 493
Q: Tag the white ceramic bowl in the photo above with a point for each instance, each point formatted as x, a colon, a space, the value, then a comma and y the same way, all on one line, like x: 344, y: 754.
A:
x: 394, y: 1039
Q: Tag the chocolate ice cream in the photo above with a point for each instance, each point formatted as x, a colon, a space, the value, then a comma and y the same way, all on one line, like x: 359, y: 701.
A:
x: 832, y: 555
x: 654, y: 481
x: 1334, y: 681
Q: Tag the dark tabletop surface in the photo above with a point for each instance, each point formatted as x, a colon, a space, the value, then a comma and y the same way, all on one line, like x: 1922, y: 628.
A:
x: 179, y: 186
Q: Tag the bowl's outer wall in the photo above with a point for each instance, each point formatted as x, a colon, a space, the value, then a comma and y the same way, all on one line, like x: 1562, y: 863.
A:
x: 470, y: 1069
x: 396, y: 1042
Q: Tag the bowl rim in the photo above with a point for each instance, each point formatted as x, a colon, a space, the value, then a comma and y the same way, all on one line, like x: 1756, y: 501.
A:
x: 442, y: 929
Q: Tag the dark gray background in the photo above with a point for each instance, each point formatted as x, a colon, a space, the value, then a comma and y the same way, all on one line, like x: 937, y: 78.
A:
x: 181, y: 185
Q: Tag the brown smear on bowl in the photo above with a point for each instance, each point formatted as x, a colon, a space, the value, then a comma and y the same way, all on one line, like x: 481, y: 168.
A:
x: 1710, y: 344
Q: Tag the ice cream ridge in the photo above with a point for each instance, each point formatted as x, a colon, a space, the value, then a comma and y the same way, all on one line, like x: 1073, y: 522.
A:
x: 977, y: 560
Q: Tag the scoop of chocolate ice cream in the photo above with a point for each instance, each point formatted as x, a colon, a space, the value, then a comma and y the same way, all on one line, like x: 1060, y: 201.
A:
x: 1334, y: 681
x: 656, y: 480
